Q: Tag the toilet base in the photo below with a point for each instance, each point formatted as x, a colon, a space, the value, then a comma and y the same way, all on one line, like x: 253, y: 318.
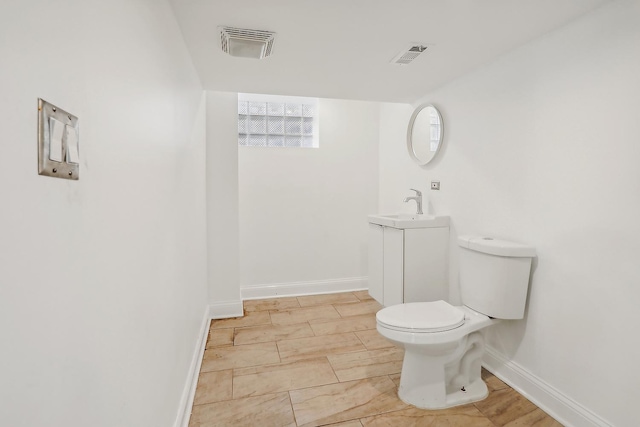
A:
x: 474, y: 392
x: 445, y: 375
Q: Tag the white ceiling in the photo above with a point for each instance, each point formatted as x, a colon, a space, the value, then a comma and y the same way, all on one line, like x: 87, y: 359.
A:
x: 342, y: 48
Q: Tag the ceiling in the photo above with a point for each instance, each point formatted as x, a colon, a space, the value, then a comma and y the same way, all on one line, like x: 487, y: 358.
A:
x: 342, y: 48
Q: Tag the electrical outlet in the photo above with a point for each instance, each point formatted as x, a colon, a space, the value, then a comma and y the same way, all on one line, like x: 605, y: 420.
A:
x: 435, y: 185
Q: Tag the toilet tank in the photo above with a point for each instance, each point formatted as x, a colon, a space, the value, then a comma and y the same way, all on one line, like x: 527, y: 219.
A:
x: 494, y: 276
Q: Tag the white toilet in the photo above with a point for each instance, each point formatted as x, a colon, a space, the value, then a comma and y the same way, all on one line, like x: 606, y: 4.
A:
x: 443, y: 344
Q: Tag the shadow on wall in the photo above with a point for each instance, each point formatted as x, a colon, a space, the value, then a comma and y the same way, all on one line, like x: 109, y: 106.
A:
x: 505, y: 337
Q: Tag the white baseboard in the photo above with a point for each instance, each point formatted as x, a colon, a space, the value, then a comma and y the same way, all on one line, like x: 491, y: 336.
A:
x: 226, y: 309
x: 189, y: 392
x: 561, y: 407
x: 292, y: 289
x: 220, y: 310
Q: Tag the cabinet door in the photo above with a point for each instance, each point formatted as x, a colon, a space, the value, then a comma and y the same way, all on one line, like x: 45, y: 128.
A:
x: 376, y: 262
x: 393, y: 266
x: 426, y: 269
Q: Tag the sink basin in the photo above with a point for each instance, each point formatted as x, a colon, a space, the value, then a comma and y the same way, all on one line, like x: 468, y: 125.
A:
x: 402, y: 220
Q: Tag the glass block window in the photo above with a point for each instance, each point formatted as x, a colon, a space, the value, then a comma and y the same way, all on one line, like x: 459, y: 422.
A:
x: 277, y: 121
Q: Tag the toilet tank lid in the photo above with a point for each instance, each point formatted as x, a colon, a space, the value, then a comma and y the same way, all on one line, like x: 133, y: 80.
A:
x: 489, y: 245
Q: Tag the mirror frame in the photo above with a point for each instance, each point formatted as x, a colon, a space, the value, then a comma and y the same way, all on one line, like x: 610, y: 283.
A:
x: 414, y: 116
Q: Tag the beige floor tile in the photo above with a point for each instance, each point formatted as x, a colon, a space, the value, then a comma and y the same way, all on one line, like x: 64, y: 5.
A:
x: 213, y: 387
x: 251, y: 318
x: 268, y: 333
x: 345, y: 401
x: 504, y: 406
x: 363, y: 295
x: 220, y: 337
x: 325, y: 299
x: 461, y: 416
x: 302, y: 315
x: 354, y: 309
x: 271, y: 304
x: 239, y: 356
x: 493, y: 382
x: 396, y: 379
x: 247, y: 384
x: 350, y: 324
x: 270, y: 410
x: 373, y: 340
x: 309, y: 348
x: 367, y: 364
x: 536, y: 418
x: 282, y: 377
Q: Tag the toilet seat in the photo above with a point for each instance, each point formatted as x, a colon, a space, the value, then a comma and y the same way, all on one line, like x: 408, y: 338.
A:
x: 426, y: 317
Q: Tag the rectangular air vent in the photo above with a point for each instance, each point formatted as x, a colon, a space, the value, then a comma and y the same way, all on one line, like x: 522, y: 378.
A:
x: 409, y: 54
x: 246, y: 43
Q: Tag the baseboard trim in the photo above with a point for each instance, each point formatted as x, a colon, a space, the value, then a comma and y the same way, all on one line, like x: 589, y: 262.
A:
x: 561, y: 407
x: 314, y: 287
x: 226, y: 309
x: 219, y: 310
x: 189, y: 392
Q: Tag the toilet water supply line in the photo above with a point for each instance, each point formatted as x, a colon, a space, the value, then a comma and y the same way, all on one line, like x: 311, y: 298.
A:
x: 475, y: 344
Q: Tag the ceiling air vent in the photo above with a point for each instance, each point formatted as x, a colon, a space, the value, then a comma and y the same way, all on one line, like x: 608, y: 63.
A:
x: 246, y: 43
x: 409, y: 54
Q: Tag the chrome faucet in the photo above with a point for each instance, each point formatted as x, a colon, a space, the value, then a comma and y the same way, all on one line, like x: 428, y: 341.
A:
x: 417, y: 198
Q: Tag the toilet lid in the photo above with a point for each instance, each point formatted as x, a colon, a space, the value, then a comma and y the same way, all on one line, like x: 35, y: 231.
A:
x: 436, y: 316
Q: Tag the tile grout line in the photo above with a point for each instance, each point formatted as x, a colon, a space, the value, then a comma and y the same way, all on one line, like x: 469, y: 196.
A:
x: 293, y: 412
x: 361, y: 342
x: 332, y: 369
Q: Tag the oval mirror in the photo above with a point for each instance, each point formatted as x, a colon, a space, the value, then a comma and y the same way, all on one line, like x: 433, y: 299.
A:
x: 424, y: 135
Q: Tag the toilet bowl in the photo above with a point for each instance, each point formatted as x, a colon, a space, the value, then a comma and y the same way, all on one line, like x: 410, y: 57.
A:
x: 444, y: 343
x: 443, y: 351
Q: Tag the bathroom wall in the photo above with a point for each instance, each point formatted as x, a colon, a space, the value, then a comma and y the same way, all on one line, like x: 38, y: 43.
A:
x: 102, y: 280
x: 222, y: 204
x: 303, y: 212
x: 394, y: 185
x: 542, y: 147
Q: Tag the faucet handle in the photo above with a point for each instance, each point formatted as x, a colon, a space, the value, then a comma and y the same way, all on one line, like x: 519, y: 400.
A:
x: 418, y: 192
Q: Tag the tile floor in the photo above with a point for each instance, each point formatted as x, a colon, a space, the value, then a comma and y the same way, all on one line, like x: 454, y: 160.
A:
x: 318, y: 360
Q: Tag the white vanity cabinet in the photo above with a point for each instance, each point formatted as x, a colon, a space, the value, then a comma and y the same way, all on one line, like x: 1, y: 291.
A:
x: 408, y: 262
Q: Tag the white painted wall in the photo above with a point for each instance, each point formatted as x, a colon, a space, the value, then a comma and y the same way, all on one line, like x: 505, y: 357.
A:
x: 398, y: 174
x: 222, y: 202
x: 542, y: 147
x: 102, y: 280
x: 303, y: 212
